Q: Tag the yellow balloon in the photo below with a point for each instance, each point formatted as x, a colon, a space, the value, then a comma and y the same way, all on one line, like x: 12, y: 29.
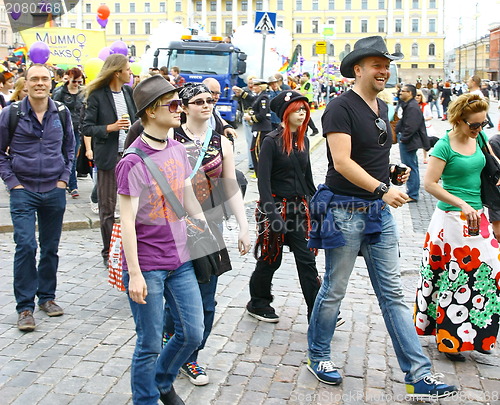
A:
x: 92, y: 68
x: 136, y: 68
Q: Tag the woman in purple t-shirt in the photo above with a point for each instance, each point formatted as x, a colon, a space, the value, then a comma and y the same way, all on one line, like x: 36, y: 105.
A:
x: 156, y: 260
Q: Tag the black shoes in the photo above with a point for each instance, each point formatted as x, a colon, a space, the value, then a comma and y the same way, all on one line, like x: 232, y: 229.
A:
x: 457, y: 357
x: 171, y: 398
x: 266, y: 314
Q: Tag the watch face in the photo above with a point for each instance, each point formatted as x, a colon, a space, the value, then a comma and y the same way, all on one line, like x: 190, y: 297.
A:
x: 384, y: 188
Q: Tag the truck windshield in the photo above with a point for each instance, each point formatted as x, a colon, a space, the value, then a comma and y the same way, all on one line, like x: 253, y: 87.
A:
x: 201, y: 62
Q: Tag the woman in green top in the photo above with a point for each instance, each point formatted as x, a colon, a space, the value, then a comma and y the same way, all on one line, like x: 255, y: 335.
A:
x: 458, y: 294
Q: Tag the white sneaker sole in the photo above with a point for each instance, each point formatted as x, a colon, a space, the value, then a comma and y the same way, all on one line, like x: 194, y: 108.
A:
x: 323, y: 381
x: 200, y: 380
x: 262, y: 318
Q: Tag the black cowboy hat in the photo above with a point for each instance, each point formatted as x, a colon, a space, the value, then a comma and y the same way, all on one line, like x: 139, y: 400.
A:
x: 369, y: 46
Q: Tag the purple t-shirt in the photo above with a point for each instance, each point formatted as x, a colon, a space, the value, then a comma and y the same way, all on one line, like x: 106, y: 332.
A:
x: 161, y: 237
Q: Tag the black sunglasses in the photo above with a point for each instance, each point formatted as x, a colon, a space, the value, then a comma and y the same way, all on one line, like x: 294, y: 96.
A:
x: 201, y: 102
x: 173, y: 106
x: 475, y: 125
x: 382, y: 127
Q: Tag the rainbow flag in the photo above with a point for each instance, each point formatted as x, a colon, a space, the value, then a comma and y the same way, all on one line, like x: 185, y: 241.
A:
x: 21, y: 51
x: 285, y: 68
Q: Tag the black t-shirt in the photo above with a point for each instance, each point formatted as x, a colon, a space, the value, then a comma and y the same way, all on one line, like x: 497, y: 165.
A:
x: 350, y: 114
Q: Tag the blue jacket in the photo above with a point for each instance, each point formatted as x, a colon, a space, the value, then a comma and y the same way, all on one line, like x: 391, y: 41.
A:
x: 37, y: 163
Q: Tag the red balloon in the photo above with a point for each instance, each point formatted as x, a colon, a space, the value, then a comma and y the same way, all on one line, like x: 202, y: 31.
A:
x: 103, y: 12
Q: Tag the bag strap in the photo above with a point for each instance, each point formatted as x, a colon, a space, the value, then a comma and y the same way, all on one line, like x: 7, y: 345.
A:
x: 165, y: 188
x: 203, y: 151
x: 300, y: 174
x: 482, y: 139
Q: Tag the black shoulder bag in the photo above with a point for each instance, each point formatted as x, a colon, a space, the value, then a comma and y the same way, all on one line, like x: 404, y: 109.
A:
x: 203, y: 246
x: 490, y: 192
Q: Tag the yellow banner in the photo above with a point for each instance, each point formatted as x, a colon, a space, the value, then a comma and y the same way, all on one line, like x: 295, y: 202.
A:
x: 68, y: 46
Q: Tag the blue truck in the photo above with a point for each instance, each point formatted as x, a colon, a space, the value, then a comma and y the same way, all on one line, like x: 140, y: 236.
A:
x: 198, y: 59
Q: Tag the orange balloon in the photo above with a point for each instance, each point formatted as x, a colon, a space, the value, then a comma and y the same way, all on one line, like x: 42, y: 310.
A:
x: 103, y: 12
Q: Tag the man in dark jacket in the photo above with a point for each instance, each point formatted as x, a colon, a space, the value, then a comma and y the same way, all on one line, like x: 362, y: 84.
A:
x: 110, y: 111
x: 412, y: 136
x: 36, y: 170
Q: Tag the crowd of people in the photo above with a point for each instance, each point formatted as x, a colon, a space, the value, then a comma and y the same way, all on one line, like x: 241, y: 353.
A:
x: 174, y: 126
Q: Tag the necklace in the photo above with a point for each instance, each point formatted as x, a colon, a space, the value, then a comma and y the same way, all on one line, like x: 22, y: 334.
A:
x: 153, y: 138
x: 195, y: 137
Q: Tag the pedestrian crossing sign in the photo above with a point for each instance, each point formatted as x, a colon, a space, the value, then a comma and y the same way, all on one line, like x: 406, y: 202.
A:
x: 265, y: 22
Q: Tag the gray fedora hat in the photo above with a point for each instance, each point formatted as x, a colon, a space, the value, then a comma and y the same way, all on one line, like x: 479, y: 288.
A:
x: 369, y: 46
x: 149, y: 90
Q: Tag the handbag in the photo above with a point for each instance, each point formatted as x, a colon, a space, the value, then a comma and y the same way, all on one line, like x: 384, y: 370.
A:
x: 490, y: 192
x: 203, y: 246
x: 115, y: 259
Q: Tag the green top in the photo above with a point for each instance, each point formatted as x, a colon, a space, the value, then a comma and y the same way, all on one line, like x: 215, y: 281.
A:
x: 461, y: 175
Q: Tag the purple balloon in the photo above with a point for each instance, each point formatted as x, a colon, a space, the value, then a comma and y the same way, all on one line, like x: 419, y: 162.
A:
x: 104, y: 53
x: 101, y: 22
x: 39, y: 52
x: 15, y: 15
x: 119, y: 47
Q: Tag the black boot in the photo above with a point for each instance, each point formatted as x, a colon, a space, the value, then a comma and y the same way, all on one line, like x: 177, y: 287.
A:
x: 171, y: 398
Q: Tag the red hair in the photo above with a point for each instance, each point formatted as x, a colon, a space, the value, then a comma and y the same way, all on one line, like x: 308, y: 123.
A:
x: 301, y: 131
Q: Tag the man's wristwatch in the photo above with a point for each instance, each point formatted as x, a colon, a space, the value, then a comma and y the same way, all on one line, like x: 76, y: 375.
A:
x: 381, y: 190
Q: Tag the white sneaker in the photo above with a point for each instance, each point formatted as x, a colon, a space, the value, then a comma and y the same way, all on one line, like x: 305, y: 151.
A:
x: 94, y: 207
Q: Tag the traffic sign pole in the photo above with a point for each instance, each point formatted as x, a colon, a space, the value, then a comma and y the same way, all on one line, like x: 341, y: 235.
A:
x: 264, y: 34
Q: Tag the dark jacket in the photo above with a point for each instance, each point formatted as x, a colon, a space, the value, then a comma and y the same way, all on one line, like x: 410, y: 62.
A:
x: 412, y: 127
x: 74, y: 102
x: 100, y: 112
x: 261, y: 117
x: 36, y: 163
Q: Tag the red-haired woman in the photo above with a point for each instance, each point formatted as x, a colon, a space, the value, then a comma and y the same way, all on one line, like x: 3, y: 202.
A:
x: 285, y: 184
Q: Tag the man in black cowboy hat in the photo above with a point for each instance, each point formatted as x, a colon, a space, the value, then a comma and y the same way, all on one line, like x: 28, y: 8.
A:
x: 358, y: 198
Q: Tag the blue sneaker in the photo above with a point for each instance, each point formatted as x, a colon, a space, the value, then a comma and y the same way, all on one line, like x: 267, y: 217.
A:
x: 324, y: 371
x: 429, y: 388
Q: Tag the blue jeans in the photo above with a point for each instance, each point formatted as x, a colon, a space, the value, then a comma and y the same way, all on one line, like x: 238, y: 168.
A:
x: 154, y: 369
x: 382, y: 261
x: 410, y: 159
x: 435, y: 103
x: 29, y: 281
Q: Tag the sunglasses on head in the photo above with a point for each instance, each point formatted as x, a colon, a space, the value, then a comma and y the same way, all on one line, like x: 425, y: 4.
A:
x: 200, y: 101
x: 475, y: 125
x: 173, y: 105
x: 382, y: 127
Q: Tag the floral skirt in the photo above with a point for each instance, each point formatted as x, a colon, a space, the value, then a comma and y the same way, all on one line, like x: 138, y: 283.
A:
x: 458, y: 293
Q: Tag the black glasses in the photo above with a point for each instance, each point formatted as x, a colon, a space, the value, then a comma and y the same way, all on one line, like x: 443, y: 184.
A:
x: 200, y: 102
x: 382, y: 127
x: 475, y: 125
x: 173, y: 106
x: 77, y: 81
x: 301, y: 109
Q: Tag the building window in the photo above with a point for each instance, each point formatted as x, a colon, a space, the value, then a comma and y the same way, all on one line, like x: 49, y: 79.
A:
x: 347, y: 26
x: 364, y: 4
x: 229, y: 28
x: 432, y: 65
x: 279, y: 5
x: 298, y: 5
x: 117, y: 8
x: 331, y: 50
x: 331, y: 22
x: 132, y: 7
x: 397, y: 48
x: 399, y: 4
x: 118, y: 29
x: 315, y: 27
x: 258, y: 5
x: 381, y: 25
x: 331, y: 4
x: 432, y: 50
x: 347, y: 48
x: 147, y: 28
x: 414, y: 65
x: 198, y: 6
x: 432, y: 25
x: 347, y: 4
x: 163, y: 8
x: 229, y: 6
x: 414, y: 25
x: 132, y: 28
x: 315, y: 5
x: 414, y: 4
x: 4, y: 33
x: 147, y: 7
x: 398, y: 25
x: 414, y: 50
x: 178, y: 6
x: 213, y: 27
x: 132, y: 50
x: 88, y: 8
x: 244, y: 5
x: 298, y: 27
x: 364, y: 25
x: 432, y: 3
x: 381, y: 4
x: 88, y: 26
x: 213, y: 6
x: 279, y: 23
x: 314, y: 53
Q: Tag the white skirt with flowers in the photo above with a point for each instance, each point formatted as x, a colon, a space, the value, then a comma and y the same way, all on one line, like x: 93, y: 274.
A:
x: 458, y: 293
